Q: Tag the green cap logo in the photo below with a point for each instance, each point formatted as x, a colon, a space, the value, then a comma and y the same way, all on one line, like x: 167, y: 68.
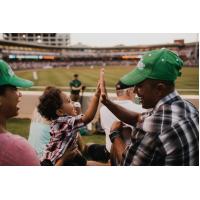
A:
x: 140, y: 64
x: 10, y: 71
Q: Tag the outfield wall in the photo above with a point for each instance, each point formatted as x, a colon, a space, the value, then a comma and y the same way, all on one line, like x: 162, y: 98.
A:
x: 29, y: 101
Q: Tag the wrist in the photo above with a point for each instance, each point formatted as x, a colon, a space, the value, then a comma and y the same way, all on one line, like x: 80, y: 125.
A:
x: 97, y: 95
x: 114, y: 134
x: 105, y: 101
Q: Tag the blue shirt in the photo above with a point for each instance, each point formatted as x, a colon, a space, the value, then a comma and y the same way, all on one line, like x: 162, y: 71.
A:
x: 39, y: 137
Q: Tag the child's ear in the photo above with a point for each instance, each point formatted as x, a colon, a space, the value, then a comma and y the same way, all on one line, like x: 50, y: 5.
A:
x: 59, y: 112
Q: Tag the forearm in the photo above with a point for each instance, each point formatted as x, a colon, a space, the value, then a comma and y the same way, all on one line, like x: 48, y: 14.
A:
x: 127, y: 116
x: 92, y: 109
x: 118, y: 148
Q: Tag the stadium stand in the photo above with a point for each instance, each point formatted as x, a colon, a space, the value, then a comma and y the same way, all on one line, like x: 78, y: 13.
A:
x: 21, y: 55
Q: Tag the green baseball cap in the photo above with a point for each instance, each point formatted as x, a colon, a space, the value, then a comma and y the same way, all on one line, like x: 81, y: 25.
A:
x: 161, y: 64
x: 8, y: 77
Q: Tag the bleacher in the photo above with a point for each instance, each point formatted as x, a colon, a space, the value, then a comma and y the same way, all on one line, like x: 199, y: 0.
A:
x: 30, y: 56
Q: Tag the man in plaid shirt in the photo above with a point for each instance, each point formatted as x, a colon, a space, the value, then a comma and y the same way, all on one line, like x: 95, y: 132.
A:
x: 168, y: 134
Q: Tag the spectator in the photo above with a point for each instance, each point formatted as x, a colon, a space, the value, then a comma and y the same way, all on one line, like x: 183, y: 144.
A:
x: 75, y: 86
x: 169, y: 133
x: 39, y: 133
x: 125, y: 98
x: 56, y: 106
x: 83, y: 130
x: 14, y: 150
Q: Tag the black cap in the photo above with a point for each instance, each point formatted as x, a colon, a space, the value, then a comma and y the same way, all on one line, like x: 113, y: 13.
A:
x: 120, y: 86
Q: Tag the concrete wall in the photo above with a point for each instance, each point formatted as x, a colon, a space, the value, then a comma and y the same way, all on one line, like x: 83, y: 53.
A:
x: 30, y: 100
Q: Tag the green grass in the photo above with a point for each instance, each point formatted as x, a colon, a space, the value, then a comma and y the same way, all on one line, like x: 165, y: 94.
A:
x: 89, y: 77
x: 21, y: 127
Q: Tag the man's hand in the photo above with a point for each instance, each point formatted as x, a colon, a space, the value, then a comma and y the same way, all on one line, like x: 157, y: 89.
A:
x: 70, y: 153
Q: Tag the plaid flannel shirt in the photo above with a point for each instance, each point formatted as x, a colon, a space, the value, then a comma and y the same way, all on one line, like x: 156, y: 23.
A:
x: 167, y: 135
x: 63, y: 136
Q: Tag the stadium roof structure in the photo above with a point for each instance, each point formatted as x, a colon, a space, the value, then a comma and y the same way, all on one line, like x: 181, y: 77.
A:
x: 82, y: 46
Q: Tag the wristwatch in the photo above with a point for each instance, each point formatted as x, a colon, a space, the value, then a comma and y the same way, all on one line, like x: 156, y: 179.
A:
x: 113, y: 135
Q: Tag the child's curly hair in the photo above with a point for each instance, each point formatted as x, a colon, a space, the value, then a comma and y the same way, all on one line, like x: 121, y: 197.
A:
x: 49, y: 102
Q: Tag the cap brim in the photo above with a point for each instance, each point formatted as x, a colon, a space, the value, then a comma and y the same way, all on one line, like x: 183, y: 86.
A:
x: 134, y: 77
x: 20, y: 82
x: 121, y: 86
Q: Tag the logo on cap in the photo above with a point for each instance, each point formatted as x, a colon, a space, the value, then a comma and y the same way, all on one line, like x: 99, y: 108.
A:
x: 140, y: 65
x: 10, y: 71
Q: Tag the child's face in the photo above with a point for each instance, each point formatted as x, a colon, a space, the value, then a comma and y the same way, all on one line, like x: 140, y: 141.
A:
x: 67, y: 106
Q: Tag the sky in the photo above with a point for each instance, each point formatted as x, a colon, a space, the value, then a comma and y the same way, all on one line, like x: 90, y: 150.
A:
x: 112, y: 39
x: 128, y: 39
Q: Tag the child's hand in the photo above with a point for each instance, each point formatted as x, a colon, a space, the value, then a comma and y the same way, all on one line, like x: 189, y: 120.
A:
x: 98, y: 90
x: 102, y: 81
x: 102, y: 86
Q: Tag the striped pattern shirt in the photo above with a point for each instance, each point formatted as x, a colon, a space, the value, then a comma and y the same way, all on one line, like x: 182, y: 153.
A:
x: 167, y: 135
x: 64, y: 134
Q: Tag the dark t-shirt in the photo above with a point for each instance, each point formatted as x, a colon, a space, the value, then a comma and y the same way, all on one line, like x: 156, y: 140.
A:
x: 76, y: 84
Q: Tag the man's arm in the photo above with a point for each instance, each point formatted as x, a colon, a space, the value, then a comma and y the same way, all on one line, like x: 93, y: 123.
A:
x: 118, y: 146
x: 125, y: 115
x: 117, y: 149
x: 120, y: 112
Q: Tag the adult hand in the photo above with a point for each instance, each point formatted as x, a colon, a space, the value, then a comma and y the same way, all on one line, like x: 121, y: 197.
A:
x: 70, y: 153
x: 116, y: 126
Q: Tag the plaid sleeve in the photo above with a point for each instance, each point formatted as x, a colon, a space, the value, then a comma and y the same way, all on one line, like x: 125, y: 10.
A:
x: 141, y: 151
x: 181, y: 143
x: 76, y: 121
x: 70, y: 122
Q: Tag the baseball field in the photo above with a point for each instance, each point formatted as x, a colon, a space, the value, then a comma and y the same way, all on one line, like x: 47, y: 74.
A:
x: 188, y: 83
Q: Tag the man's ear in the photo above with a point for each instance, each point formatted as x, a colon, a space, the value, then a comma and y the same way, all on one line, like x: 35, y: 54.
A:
x: 161, y: 89
x: 59, y: 112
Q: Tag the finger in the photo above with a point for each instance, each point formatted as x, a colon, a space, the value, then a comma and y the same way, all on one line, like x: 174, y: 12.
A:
x: 102, y: 82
